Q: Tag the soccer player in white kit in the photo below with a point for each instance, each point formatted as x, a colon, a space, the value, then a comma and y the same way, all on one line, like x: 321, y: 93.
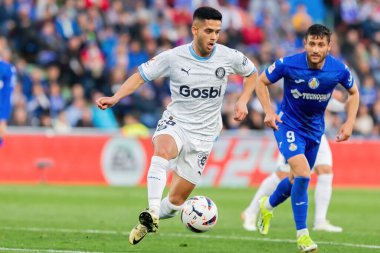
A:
x: 198, y: 74
x: 323, y: 189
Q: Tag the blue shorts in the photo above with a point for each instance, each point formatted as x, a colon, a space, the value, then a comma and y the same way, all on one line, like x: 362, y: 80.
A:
x: 291, y: 143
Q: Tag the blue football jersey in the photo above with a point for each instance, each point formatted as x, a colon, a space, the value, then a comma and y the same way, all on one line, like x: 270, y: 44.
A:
x: 7, y: 83
x: 307, y: 91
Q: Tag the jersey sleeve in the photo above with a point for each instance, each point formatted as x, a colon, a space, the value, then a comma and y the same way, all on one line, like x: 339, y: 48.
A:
x: 346, y: 79
x: 156, y: 67
x: 241, y: 65
x: 275, y: 71
x: 6, y: 87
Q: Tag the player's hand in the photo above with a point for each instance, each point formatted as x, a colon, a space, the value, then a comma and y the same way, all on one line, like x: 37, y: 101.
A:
x: 271, y: 119
x: 345, y: 132
x: 106, y: 102
x: 240, y: 111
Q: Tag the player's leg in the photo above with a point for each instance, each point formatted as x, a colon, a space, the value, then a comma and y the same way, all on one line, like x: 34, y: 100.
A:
x: 323, y: 192
x: 180, y: 190
x: 165, y: 149
x: 167, y: 145
x: 267, y: 204
x: 289, y: 147
x: 266, y: 188
x: 190, y: 164
x: 323, y: 189
x: 300, y: 170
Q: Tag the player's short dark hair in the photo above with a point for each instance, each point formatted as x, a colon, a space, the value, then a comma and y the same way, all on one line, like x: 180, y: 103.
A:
x: 319, y: 31
x: 206, y: 12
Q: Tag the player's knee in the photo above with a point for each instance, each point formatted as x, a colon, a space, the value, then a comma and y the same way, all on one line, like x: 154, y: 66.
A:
x: 164, y: 152
x: 165, y: 147
x: 281, y: 174
x: 323, y: 169
x: 301, y: 172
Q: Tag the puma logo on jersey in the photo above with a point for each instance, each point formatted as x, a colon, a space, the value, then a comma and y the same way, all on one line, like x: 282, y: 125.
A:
x: 186, y: 71
x: 299, y: 81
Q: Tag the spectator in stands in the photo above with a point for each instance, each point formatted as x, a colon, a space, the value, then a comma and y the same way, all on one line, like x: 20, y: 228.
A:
x: 133, y: 127
x: 364, y: 122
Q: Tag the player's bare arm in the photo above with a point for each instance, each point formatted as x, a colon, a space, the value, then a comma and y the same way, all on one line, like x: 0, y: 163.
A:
x: 249, y: 85
x: 262, y: 93
x: 352, y: 106
x: 128, y: 87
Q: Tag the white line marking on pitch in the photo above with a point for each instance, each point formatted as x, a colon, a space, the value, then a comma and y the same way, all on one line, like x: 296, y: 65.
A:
x: 45, y: 250
x: 244, y: 238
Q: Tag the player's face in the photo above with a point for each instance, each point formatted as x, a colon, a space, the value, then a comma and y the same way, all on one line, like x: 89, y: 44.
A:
x: 206, y: 34
x: 316, y: 48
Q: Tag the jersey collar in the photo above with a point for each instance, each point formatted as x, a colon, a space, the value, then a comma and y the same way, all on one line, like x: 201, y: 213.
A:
x: 192, y: 52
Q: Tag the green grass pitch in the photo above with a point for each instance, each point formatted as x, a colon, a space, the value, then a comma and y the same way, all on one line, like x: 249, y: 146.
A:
x: 74, y: 219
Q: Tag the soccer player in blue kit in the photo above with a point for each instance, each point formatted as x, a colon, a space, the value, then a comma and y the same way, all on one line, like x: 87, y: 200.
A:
x: 7, y: 83
x: 309, y: 79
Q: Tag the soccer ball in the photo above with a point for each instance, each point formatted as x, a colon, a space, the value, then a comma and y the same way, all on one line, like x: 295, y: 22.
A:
x: 199, y: 214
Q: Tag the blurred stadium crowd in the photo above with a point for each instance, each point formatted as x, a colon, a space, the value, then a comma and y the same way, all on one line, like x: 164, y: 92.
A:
x: 70, y: 52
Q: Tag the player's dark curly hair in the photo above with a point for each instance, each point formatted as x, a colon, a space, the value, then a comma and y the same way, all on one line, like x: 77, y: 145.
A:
x: 319, y: 31
x: 206, y: 12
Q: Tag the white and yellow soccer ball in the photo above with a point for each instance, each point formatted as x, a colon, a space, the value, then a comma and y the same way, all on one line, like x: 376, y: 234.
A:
x: 199, y: 214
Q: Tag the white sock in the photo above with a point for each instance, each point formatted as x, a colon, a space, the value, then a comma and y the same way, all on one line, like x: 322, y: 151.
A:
x: 322, y: 196
x: 267, y: 205
x: 267, y: 186
x: 156, y: 182
x: 168, y: 210
x: 302, y: 232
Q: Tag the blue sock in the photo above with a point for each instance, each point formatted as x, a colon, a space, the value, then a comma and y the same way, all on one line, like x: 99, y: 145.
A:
x: 300, y: 201
x: 281, y: 193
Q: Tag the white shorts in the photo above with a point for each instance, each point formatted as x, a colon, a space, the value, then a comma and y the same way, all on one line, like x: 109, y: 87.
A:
x: 192, y: 153
x: 324, y: 157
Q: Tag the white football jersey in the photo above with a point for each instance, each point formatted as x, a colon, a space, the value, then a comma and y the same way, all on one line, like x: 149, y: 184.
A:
x: 197, y: 85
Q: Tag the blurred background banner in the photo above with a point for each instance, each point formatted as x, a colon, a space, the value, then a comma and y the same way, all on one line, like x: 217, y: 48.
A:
x: 236, y: 160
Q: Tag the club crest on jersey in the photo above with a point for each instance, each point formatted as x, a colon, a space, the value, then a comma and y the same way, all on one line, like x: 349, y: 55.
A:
x: 313, y: 83
x: 202, y: 158
x: 245, y: 61
x: 293, y: 147
x: 220, y: 72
